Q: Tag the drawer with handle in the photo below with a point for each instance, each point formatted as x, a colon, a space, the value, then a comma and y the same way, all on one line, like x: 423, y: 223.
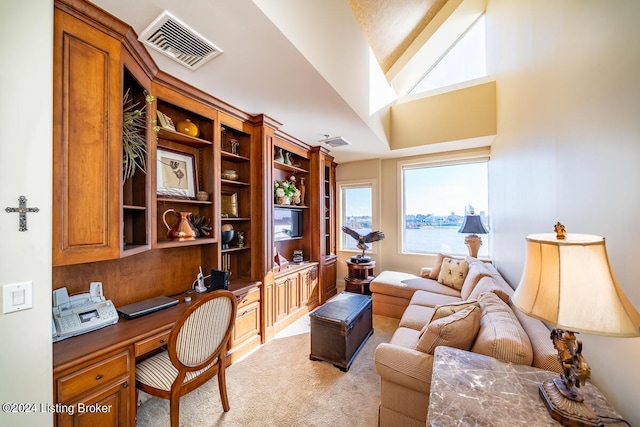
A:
x: 149, y: 344
x: 94, y: 375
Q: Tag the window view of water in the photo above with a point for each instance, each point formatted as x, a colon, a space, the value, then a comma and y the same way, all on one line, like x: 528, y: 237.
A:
x: 430, y: 240
x: 441, y: 239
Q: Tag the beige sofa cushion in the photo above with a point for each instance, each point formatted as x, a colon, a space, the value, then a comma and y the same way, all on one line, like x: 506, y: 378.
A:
x: 501, y: 336
x: 430, y: 299
x: 453, y: 272
x: 445, y: 310
x: 416, y: 316
x: 456, y: 330
x: 477, y: 270
x: 435, y: 271
x: 488, y: 284
x: 404, y: 285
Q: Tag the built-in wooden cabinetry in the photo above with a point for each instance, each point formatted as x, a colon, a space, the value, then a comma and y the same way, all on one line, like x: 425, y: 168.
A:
x: 110, y: 229
x: 86, y: 152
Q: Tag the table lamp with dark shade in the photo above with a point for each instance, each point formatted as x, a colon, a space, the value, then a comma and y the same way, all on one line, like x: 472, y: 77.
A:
x: 568, y: 283
x: 472, y: 224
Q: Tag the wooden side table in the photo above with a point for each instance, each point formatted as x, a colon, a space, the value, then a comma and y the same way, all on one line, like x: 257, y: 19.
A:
x: 482, y: 390
x: 359, y: 277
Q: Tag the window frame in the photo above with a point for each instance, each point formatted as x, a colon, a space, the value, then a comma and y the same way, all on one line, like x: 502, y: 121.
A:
x: 447, y: 159
x: 366, y: 183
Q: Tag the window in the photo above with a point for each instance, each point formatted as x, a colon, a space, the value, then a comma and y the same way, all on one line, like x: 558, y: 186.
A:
x: 435, y: 198
x: 464, y: 61
x: 356, y: 212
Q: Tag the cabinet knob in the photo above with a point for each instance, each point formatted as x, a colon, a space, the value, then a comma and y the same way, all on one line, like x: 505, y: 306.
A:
x: 162, y: 341
x: 99, y: 377
x: 125, y: 385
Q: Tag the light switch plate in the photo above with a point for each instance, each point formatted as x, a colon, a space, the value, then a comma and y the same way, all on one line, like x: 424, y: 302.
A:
x: 17, y: 297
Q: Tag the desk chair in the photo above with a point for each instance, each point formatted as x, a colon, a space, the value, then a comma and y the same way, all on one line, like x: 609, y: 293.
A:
x: 196, y: 352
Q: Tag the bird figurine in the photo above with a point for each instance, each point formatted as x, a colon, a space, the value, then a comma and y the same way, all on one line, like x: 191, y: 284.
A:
x: 374, y: 236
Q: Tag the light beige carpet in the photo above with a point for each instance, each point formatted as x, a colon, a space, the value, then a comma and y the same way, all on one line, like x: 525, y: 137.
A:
x: 277, y: 385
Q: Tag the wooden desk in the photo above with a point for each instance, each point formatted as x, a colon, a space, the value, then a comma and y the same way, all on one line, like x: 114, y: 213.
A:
x: 97, y: 370
x: 484, y: 391
x: 359, y: 277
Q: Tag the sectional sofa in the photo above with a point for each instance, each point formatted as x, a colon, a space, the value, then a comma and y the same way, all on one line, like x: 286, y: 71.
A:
x: 462, y: 303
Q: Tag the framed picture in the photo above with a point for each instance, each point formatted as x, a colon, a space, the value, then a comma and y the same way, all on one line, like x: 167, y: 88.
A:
x: 229, y: 205
x: 165, y: 121
x: 176, y: 174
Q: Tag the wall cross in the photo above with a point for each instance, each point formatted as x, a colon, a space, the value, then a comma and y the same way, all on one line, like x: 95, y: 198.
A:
x: 22, y: 210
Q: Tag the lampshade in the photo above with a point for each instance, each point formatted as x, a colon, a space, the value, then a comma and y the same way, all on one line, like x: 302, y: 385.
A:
x: 472, y: 224
x: 569, y: 284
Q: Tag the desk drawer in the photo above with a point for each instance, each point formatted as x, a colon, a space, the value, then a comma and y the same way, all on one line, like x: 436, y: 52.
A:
x: 95, y: 375
x: 252, y: 296
x: 152, y: 343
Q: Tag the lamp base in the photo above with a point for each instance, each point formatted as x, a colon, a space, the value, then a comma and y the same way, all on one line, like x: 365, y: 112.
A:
x: 568, y: 412
x: 473, y: 242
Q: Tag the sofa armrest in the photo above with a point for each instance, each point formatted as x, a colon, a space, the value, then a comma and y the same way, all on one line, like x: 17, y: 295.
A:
x: 404, y: 366
x: 426, y: 272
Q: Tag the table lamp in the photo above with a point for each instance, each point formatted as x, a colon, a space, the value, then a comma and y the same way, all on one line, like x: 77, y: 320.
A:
x: 567, y: 282
x: 472, y: 224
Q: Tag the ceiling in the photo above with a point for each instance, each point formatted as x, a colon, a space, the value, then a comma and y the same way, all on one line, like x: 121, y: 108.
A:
x: 318, y: 67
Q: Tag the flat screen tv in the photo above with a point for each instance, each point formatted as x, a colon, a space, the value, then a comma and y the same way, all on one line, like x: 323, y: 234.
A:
x: 287, y: 223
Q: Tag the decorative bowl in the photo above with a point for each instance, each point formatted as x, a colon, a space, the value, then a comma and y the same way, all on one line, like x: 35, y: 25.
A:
x: 227, y: 237
x: 230, y: 174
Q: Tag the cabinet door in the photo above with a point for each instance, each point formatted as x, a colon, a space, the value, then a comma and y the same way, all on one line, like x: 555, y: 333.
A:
x: 106, y: 407
x: 86, y: 145
x: 294, y: 293
x: 329, y: 285
x: 281, y: 286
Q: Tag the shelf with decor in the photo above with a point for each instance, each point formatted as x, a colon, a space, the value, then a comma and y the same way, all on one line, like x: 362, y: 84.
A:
x: 184, y: 175
x: 136, y: 132
x: 236, y: 156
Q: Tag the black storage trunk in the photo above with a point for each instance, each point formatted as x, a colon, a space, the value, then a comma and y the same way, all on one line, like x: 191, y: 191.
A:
x: 339, y: 329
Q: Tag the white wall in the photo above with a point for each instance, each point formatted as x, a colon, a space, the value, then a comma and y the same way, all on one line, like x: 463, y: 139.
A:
x: 26, y: 34
x: 568, y: 148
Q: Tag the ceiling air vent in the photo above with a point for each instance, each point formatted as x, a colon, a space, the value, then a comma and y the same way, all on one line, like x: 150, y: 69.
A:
x: 170, y: 36
x: 336, y: 141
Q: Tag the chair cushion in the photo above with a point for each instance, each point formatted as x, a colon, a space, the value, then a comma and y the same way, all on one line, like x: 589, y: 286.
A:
x: 453, y: 272
x: 456, y: 330
x: 501, y: 336
x: 158, y: 372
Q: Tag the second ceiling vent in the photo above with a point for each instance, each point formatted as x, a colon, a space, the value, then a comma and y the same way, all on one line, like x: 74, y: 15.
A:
x: 170, y: 36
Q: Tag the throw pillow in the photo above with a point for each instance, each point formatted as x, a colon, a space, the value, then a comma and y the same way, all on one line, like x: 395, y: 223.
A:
x: 445, y: 310
x: 435, y: 271
x: 457, y: 330
x: 501, y: 336
x: 453, y: 272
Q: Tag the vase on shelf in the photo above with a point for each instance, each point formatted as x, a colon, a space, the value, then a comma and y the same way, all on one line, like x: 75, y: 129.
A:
x: 287, y: 158
x: 303, y: 189
x: 283, y: 200
x: 187, y: 127
x: 279, y: 157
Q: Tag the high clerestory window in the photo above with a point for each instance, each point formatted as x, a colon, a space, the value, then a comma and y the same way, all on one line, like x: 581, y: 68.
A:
x: 464, y: 61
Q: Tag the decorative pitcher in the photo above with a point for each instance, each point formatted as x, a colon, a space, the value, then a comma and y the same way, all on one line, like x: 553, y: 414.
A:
x: 182, y: 230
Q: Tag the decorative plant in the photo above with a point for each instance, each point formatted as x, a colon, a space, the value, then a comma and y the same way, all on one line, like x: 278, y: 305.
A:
x: 134, y: 144
x: 286, y: 189
x: 202, y: 225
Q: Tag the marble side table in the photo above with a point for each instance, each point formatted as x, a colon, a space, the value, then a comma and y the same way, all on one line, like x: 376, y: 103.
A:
x: 469, y: 389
